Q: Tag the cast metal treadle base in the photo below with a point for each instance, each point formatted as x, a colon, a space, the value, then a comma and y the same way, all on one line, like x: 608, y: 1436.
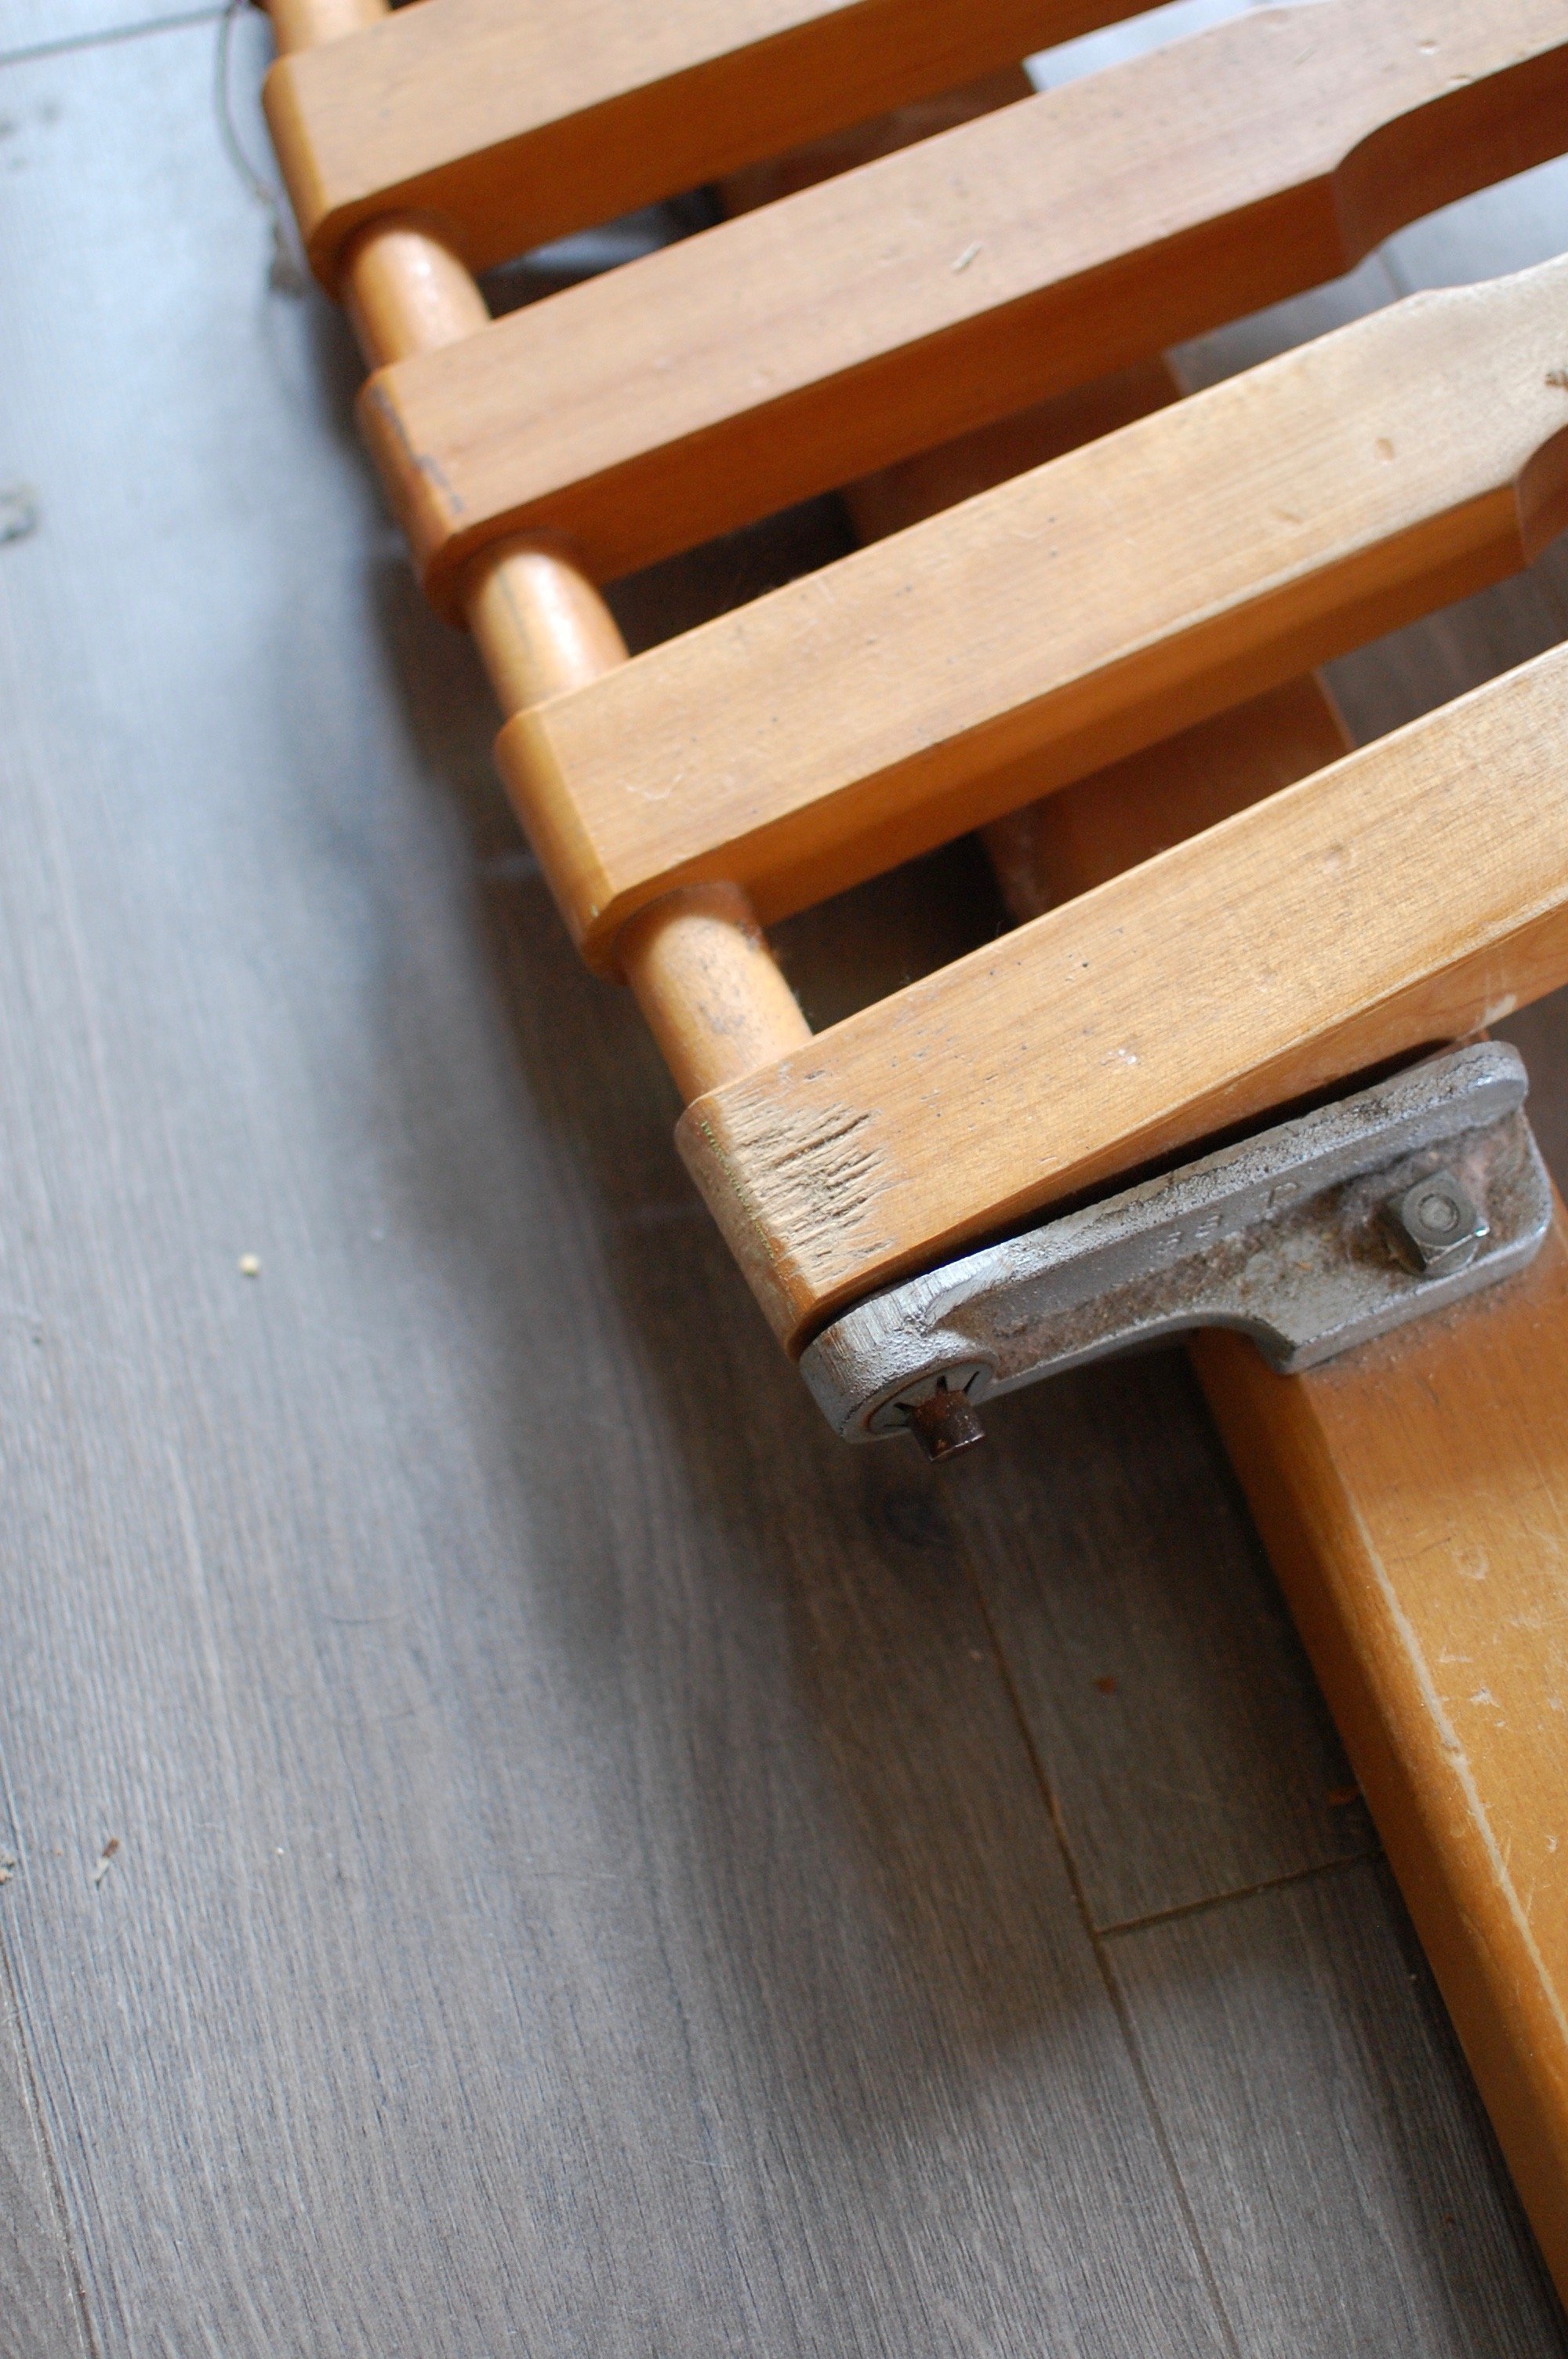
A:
x: 1309, y: 1237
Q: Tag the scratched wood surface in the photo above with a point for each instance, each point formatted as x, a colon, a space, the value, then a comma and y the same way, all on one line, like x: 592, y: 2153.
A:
x: 877, y: 1148
x: 599, y: 1866
x: 872, y: 713
x: 1034, y: 248
x: 511, y: 123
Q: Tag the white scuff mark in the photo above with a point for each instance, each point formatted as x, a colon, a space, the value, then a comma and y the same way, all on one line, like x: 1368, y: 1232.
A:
x: 1484, y: 1695
x: 1459, y: 1762
x: 967, y: 256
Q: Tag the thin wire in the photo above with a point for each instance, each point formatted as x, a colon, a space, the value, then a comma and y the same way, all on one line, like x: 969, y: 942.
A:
x: 287, y: 273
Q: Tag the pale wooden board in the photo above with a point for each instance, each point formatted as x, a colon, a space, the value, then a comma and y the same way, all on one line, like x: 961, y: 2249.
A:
x: 1511, y: 227
x: 877, y: 1148
x: 510, y: 123
x: 1319, y: 1986
x: 1033, y: 248
x: 872, y: 712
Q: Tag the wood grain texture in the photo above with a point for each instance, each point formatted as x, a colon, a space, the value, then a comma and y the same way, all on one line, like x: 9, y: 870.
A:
x: 578, y: 1884
x: 942, y: 288
x: 1070, y: 842
x: 696, y: 961
x: 1468, y: 1380
x: 1415, y: 1503
x: 1351, y: 917
x: 40, y: 2313
x: 1065, y: 844
x: 911, y: 691
x: 1397, y: 679
x: 511, y: 124
x: 580, y: 1880
x: 1319, y: 1985
x: 1189, y: 1753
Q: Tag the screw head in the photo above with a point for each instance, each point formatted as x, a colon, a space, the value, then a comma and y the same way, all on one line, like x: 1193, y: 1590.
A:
x: 944, y: 1422
x: 1436, y: 1226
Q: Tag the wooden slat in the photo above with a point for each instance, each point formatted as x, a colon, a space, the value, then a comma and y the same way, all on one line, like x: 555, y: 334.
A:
x: 1066, y: 842
x: 1405, y: 895
x: 512, y: 121
x: 942, y: 288
x: 1415, y: 1500
x: 581, y: 1883
x: 1413, y: 1497
x: 958, y: 669
x: 1094, y: 830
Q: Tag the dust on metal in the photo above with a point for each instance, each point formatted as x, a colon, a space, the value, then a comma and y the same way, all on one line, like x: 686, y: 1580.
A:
x: 1303, y: 1237
x: 1436, y: 1226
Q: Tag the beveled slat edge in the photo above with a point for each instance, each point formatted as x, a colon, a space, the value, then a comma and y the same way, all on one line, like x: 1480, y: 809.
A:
x: 1270, y: 523
x: 1354, y: 917
x: 533, y: 174
x: 701, y: 445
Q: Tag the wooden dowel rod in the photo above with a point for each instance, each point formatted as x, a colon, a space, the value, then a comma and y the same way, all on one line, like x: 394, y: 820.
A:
x: 708, y: 986
x: 707, y: 982
x: 408, y: 293
x: 305, y: 24
x: 540, y: 625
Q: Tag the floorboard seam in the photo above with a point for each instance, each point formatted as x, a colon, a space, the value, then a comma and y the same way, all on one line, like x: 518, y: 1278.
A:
x: 69, y: 41
x: 1102, y: 1961
x: 1242, y: 1892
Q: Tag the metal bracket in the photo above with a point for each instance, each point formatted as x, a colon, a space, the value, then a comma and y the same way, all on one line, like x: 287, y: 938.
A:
x: 1312, y: 1236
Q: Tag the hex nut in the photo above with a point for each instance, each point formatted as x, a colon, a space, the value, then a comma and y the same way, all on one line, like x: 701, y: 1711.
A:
x: 1436, y: 1226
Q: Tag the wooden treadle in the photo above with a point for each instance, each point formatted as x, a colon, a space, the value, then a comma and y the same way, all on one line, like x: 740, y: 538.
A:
x: 1075, y: 588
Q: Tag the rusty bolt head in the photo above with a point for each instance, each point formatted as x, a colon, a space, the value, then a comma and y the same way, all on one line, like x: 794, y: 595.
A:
x: 1436, y: 1225
x: 944, y: 1422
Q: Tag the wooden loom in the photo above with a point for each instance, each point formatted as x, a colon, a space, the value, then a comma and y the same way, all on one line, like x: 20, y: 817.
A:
x: 1074, y: 586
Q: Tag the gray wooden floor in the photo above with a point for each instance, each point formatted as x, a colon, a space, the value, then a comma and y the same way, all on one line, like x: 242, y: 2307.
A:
x: 520, y: 1843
